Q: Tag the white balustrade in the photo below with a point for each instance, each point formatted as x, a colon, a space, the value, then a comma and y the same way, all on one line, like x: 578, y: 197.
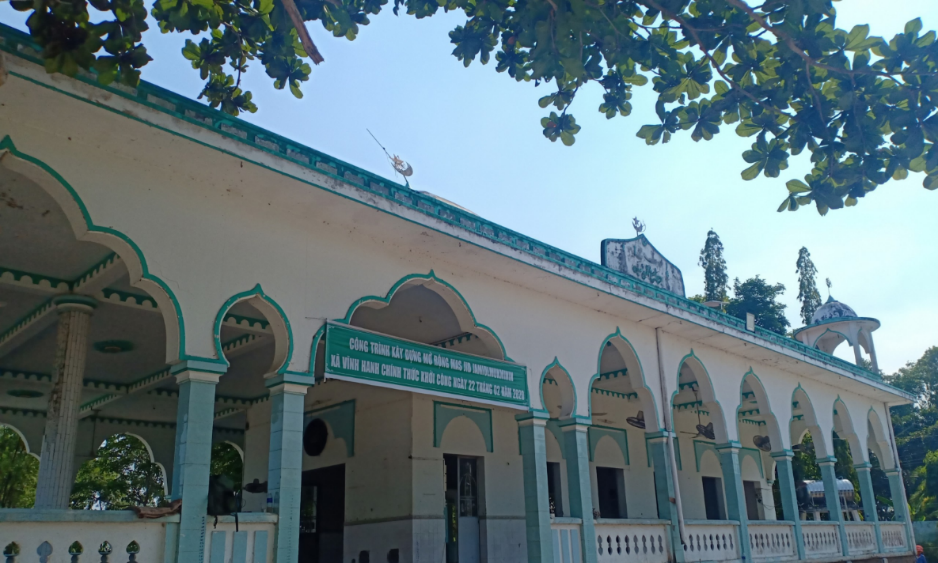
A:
x: 61, y: 536
x: 565, y: 536
x: 894, y: 536
x: 821, y: 540
x: 861, y: 537
x: 632, y: 541
x: 772, y: 540
x: 251, y: 539
x: 711, y: 541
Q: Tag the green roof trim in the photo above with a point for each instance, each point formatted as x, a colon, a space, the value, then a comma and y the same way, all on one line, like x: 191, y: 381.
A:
x: 159, y: 99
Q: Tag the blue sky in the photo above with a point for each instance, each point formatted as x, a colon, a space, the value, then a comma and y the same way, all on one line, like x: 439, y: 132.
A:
x: 473, y: 136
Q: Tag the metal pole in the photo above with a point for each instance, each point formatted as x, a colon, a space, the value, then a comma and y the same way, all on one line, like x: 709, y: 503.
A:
x: 666, y: 416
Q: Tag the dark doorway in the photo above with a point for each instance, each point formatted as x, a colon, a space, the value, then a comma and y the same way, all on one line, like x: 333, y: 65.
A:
x: 322, y: 515
x: 713, y: 497
x: 462, y: 493
x: 751, y: 490
x: 610, y: 483
x: 553, y: 489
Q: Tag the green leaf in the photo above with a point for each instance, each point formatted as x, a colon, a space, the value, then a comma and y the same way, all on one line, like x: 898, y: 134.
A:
x: 753, y: 171
x: 931, y: 182
x: 856, y: 37
x: 797, y: 187
x: 747, y: 128
x: 850, y: 201
x: 914, y: 26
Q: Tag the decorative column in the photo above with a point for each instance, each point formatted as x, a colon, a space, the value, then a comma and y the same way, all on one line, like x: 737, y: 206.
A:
x: 664, y: 488
x: 900, y: 505
x: 57, y: 457
x: 536, y: 499
x: 832, y: 498
x: 285, y: 465
x: 576, y: 447
x: 786, y: 484
x: 869, y: 500
x: 735, y: 495
x: 195, y: 419
x: 768, y: 500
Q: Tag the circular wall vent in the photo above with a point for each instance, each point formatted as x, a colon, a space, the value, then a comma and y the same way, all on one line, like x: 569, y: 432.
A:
x: 315, y: 437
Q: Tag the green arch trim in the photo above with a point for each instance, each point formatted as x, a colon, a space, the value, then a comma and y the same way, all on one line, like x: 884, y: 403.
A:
x: 431, y: 276
x: 641, y: 373
x: 618, y: 435
x: 742, y: 395
x: 814, y: 344
x: 256, y: 291
x: 312, y: 350
x: 709, y: 381
x: 444, y: 413
x: 6, y: 144
x: 540, y: 384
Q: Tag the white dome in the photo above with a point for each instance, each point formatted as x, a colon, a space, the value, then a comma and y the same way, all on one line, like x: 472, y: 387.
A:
x: 833, y: 309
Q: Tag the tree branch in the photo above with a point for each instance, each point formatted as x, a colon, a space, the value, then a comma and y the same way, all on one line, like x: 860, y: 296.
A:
x: 300, y: 27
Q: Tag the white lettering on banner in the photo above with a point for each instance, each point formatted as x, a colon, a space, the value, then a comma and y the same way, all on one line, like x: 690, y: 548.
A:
x: 357, y: 344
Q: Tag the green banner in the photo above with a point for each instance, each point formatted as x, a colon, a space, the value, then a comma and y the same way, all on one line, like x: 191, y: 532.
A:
x: 392, y: 362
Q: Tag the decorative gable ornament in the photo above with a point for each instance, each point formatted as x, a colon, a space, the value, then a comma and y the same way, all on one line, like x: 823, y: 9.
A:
x: 638, y: 258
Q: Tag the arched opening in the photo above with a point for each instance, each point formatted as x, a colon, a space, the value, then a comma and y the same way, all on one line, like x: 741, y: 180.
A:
x: 759, y: 435
x: 227, y: 462
x: 700, y: 426
x: 120, y: 475
x: 622, y: 410
x: 18, y: 470
x: 848, y: 451
x: 67, y: 284
x: 809, y: 445
x: 558, y: 395
x: 881, y: 460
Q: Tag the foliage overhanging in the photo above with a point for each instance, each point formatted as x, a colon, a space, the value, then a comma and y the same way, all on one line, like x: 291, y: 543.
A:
x: 781, y: 72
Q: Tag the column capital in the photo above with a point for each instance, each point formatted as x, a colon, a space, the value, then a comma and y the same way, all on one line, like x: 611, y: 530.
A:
x: 865, y: 466
x: 783, y: 454
x: 207, y: 365
x: 577, y: 423
x: 71, y: 302
x: 195, y: 375
x: 287, y: 388
x: 893, y: 471
x: 536, y: 418
x: 272, y: 380
x: 732, y: 446
x: 829, y: 460
x: 659, y: 436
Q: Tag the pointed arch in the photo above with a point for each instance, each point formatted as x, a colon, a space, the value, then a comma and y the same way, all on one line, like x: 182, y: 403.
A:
x: 843, y: 426
x: 765, y: 408
x: 84, y: 229
x: 805, y: 420
x: 707, y: 394
x: 561, y: 377
x: 634, y: 372
x: 452, y: 296
x: 279, y: 324
x: 878, y: 440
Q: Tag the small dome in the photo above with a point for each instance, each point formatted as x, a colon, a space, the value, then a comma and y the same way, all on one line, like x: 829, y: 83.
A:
x: 833, y: 309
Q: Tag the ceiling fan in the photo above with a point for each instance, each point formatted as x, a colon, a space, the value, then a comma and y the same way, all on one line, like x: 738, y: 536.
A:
x: 637, y: 421
x: 764, y: 443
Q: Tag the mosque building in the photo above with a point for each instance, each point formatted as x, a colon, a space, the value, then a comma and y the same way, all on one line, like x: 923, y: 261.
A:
x: 405, y: 381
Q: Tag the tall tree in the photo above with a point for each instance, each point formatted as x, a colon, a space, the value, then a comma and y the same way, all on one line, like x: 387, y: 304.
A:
x: 780, y: 71
x: 756, y: 296
x: 711, y: 260
x: 18, y: 471
x: 807, y: 285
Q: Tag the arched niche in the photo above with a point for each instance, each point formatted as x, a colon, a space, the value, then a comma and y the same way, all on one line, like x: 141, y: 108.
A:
x: 254, y: 302
x: 558, y: 393
x: 804, y: 419
x: 695, y: 394
x: 843, y: 426
x: 755, y: 409
x: 878, y: 441
x: 620, y: 384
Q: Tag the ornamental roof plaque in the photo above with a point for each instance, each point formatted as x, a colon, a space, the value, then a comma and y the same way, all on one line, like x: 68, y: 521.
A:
x: 638, y: 258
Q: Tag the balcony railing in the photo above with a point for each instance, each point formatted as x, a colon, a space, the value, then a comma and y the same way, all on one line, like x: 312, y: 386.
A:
x: 565, y: 536
x: 711, y: 540
x: 772, y: 540
x: 821, y: 540
x: 633, y: 541
x: 861, y: 538
x: 894, y: 536
x: 82, y: 535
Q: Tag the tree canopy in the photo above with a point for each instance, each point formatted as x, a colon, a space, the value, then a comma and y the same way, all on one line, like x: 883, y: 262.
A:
x: 18, y: 471
x: 782, y: 72
x: 119, y: 476
x: 714, y: 265
x: 758, y: 297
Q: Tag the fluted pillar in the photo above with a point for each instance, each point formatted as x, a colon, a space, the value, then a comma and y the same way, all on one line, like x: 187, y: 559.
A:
x: 57, y: 457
